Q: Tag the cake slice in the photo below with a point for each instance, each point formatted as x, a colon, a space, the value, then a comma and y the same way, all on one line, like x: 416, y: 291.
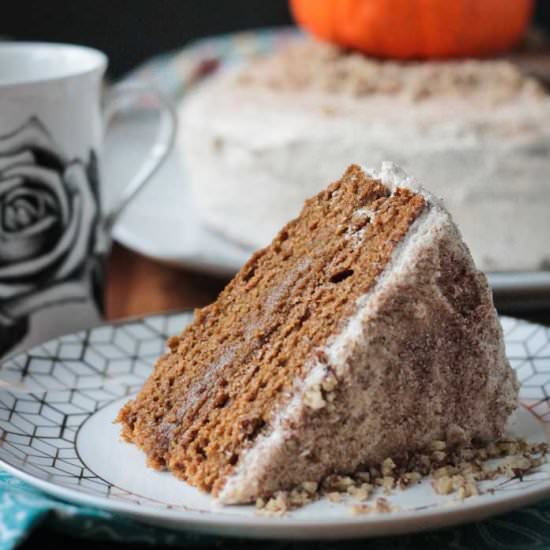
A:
x: 364, y: 331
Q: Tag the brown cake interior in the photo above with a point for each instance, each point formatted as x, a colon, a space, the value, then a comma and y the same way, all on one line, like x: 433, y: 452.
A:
x: 216, y: 389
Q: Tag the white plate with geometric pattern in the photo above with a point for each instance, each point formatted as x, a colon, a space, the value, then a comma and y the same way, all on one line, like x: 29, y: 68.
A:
x: 58, y: 401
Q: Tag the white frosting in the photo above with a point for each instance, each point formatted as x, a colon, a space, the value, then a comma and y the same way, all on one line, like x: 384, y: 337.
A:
x: 252, y: 156
x: 392, y: 176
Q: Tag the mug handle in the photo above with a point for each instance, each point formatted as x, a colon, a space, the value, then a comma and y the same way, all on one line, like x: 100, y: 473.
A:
x: 144, y: 97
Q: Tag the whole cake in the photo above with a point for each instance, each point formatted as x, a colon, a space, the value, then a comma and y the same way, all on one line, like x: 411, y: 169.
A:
x: 258, y: 139
x: 363, y: 331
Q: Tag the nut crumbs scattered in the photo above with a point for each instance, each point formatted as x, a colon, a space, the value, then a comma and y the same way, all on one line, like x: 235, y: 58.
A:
x: 336, y: 71
x: 453, y: 471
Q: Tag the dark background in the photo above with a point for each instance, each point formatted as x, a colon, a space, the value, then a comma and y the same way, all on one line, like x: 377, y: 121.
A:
x: 130, y: 31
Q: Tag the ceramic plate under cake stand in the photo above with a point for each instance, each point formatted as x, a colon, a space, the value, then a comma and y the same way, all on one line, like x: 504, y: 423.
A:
x: 58, y: 401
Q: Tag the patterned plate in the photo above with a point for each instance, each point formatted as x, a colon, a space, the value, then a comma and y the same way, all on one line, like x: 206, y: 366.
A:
x: 58, y: 401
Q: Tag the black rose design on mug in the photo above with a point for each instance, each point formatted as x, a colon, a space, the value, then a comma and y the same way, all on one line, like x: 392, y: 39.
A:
x: 49, y: 207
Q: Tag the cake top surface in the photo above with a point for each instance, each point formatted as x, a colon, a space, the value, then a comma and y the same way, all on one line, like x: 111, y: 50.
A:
x: 309, y: 65
x: 314, y: 89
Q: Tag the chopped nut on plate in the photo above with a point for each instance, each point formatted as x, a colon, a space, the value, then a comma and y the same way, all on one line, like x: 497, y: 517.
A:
x: 455, y: 472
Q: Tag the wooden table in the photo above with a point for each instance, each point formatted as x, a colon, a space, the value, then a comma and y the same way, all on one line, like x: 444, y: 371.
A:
x: 138, y: 286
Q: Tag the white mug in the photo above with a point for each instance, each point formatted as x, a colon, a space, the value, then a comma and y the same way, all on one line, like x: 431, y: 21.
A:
x: 54, y: 230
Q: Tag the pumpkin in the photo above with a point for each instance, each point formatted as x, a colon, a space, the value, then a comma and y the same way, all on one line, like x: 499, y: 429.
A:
x: 406, y: 29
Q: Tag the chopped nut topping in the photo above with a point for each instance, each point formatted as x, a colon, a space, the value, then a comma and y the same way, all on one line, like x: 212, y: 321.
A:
x: 382, y: 505
x: 362, y: 492
x: 332, y: 70
x: 388, y: 466
x: 444, y: 471
x: 443, y: 485
x: 438, y: 456
x: 337, y: 483
x: 388, y: 483
x: 313, y: 398
x: 277, y: 505
x: 363, y: 476
x: 361, y: 509
x: 310, y: 487
x: 438, y: 446
x: 453, y: 471
x: 329, y: 383
x: 408, y: 478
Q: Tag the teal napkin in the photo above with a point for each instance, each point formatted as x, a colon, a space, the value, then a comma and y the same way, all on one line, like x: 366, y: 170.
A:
x: 24, y: 509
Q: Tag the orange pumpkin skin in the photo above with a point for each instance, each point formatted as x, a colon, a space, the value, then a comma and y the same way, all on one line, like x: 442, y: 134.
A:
x: 406, y: 29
